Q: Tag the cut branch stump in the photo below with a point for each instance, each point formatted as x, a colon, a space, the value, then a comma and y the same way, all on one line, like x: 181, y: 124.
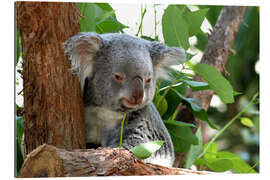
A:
x: 50, y: 161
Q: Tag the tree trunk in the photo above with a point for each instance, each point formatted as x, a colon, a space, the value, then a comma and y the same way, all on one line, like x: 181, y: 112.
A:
x: 49, y: 161
x: 52, y: 98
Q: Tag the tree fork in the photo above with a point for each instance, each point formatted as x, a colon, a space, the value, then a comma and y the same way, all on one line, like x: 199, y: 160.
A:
x: 52, y: 98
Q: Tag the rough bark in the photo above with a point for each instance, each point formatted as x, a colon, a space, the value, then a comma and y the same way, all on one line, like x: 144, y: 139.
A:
x: 49, y: 161
x: 52, y: 97
x: 215, y: 54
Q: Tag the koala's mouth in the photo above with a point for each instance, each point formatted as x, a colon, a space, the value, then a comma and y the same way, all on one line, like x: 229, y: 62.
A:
x: 129, y: 106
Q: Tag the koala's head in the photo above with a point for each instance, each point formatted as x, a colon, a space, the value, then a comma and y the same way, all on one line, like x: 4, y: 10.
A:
x: 118, y: 71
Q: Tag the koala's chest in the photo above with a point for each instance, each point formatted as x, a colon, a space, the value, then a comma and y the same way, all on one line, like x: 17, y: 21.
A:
x: 98, y: 121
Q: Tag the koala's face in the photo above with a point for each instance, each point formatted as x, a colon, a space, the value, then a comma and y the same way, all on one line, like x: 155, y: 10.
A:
x: 119, y: 71
x: 123, y: 77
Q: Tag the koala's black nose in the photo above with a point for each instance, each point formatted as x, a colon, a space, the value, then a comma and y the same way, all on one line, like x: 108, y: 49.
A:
x: 137, y: 91
x: 136, y: 99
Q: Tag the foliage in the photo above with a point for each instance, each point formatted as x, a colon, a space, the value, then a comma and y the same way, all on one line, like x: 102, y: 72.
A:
x: 145, y: 150
x: 216, y: 82
x: 19, y: 134
x: 223, y: 161
x: 99, y: 17
x: 179, y: 23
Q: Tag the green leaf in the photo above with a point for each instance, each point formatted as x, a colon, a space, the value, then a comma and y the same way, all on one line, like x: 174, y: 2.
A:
x: 216, y: 81
x: 194, y: 20
x: 183, y: 9
x: 19, y: 134
x: 246, y: 121
x: 173, y: 100
x: 179, y: 145
x: 88, y: 24
x: 223, y: 161
x: 175, y: 28
x: 194, y: 150
x: 212, y: 14
x: 20, y: 127
x: 109, y: 26
x: 196, y: 85
x: 219, y: 165
x: 235, y: 93
x: 147, y: 38
x: 202, y: 39
x: 211, y: 151
x: 239, y: 165
x: 202, y: 115
x: 163, y: 105
x: 196, y: 109
x: 189, y: 56
x: 190, y: 101
x: 18, y: 46
x: 145, y: 150
x: 106, y: 7
x: 182, y: 137
x: 104, y: 16
x: 200, y: 162
x: 179, y: 123
x: 19, y: 157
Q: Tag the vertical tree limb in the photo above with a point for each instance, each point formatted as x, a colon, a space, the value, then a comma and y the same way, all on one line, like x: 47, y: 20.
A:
x: 52, y: 98
x: 215, y: 54
x: 219, y: 46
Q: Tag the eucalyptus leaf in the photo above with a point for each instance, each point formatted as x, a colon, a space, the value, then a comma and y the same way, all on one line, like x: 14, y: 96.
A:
x: 18, y: 46
x: 108, y: 26
x: 216, y: 81
x: 20, y: 128
x: 19, y: 157
x: 179, y: 123
x: 196, y: 85
x: 246, y: 122
x: 173, y: 100
x: 183, y: 133
x: 196, y: 109
x: 175, y: 28
x: 163, y: 105
x: 190, y: 101
x: 220, y: 165
x: 194, y: 151
x: 212, y: 14
x: 202, y: 39
x: 194, y: 20
x: 88, y: 23
x: 211, y: 151
x: 106, y: 7
x: 145, y: 150
x: 239, y: 165
x: 190, y: 56
x: 180, y: 145
x: 202, y: 115
x: 104, y: 17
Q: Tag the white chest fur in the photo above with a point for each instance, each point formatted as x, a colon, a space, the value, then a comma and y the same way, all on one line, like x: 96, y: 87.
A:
x: 97, y: 118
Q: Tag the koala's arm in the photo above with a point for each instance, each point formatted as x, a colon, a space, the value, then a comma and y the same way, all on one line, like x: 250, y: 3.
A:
x: 143, y: 126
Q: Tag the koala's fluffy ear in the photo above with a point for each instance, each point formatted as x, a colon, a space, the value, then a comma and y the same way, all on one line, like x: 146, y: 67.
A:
x: 81, y: 50
x: 163, y: 57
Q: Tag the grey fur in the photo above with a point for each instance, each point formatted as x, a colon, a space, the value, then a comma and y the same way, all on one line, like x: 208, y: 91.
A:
x: 95, y: 58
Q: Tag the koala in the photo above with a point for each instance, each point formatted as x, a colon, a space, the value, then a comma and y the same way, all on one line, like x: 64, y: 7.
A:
x: 117, y: 74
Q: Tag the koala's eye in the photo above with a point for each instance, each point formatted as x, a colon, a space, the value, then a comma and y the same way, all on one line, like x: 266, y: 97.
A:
x: 148, y: 80
x: 119, y: 77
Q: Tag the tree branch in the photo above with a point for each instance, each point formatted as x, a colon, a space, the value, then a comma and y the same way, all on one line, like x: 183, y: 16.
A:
x: 215, y: 54
x: 49, y: 161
